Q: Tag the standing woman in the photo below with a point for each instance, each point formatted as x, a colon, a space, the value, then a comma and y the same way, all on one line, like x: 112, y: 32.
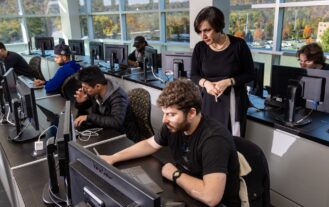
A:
x: 221, y: 64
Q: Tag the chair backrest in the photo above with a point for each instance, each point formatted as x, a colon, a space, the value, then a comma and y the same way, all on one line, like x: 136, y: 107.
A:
x: 69, y: 87
x: 140, y: 101
x: 258, y: 180
x: 35, y: 65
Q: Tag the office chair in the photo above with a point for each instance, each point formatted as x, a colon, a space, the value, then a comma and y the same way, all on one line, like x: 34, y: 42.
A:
x: 140, y: 101
x: 258, y: 180
x: 35, y: 65
x: 69, y: 87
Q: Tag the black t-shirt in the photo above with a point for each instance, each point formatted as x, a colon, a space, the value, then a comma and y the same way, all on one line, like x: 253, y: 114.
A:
x: 210, y: 149
x: 21, y: 67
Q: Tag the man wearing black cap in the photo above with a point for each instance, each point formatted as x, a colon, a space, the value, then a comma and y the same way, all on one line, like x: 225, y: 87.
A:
x: 67, y: 68
x: 14, y: 60
x: 135, y: 59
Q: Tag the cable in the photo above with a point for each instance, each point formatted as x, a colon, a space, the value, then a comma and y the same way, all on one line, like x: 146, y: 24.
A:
x: 93, y: 132
x: 44, y: 131
x: 7, y: 118
x: 305, y: 117
x: 156, y: 77
x: 19, y: 134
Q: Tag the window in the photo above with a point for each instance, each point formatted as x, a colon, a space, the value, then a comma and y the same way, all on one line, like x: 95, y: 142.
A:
x: 107, y: 26
x: 303, y: 25
x: 145, y: 24
x: 174, y: 4
x: 137, y: 5
x: 255, y: 26
x: 8, y: 7
x: 178, y: 26
x: 45, y: 26
x: 41, y: 7
x: 105, y: 5
x: 10, y: 30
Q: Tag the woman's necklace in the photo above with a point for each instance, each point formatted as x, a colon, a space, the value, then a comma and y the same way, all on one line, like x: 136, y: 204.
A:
x: 222, y: 46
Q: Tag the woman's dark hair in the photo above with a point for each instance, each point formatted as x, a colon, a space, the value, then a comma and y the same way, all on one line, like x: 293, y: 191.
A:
x: 213, y: 16
x: 314, y: 52
x: 182, y: 93
x: 92, y: 75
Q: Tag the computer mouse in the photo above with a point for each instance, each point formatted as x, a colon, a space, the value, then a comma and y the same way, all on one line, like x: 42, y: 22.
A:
x: 173, y: 204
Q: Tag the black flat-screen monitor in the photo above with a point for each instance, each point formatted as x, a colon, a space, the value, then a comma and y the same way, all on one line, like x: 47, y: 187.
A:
x: 61, y: 41
x: 256, y: 86
x: 9, y: 87
x: 116, y: 54
x: 65, y: 133
x: 97, y: 183
x: 96, y: 50
x: 178, y: 63
x: 312, y: 86
x: 28, y: 102
x: 151, y: 59
x: 44, y: 43
x: 77, y: 47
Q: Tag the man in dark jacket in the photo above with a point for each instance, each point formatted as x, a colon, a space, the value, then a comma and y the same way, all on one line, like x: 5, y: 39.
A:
x: 67, y: 68
x: 14, y: 60
x: 108, y: 102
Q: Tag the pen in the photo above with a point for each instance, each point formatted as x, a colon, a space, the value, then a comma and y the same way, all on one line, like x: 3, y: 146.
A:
x: 95, y: 150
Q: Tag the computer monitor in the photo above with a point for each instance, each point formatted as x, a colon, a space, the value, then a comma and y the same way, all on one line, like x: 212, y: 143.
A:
x: 77, y: 47
x: 44, y: 43
x: 23, y: 113
x: 150, y: 59
x: 95, y: 182
x: 65, y: 133
x: 296, y: 87
x: 61, y: 41
x: 179, y: 63
x: 116, y: 54
x: 256, y: 86
x: 9, y: 87
x: 96, y: 50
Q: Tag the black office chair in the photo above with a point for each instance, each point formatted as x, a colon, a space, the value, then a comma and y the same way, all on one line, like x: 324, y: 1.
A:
x: 140, y: 101
x: 35, y: 65
x: 258, y: 180
x: 69, y: 87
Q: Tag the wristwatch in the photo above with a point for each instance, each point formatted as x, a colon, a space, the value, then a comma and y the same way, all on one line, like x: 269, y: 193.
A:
x: 175, y: 176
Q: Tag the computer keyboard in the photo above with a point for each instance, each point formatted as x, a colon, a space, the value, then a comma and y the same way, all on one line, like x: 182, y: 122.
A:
x: 29, y: 82
x: 104, y: 64
x: 139, y: 175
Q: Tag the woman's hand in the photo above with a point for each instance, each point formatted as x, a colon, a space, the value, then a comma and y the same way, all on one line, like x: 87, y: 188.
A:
x: 211, y: 88
x: 222, y: 85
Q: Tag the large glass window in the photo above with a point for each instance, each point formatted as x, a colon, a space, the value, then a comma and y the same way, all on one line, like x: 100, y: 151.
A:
x: 83, y: 26
x: 107, y: 26
x: 174, y: 4
x: 136, y: 5
x: 303, y: 25
x: 10, y: 31
x: 178, y: 26
x: 44, y: 26
x: 83, y: 7
x: 41, y: 7
x: 243, y: 2
x: 146, y: 24
x: 105, y: 5
x: 8, y: 7
x: 253, y: 25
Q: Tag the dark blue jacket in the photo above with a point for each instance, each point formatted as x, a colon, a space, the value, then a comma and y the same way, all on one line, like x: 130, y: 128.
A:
x: 54, y: 84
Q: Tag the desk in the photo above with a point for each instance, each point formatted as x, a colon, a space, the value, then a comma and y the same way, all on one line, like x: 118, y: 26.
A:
x: 30, y: 186
x: 299, y: 174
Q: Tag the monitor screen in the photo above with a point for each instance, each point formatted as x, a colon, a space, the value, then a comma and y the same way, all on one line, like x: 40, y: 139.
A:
x: 150, y: 59
x: 96, y: 49
x: 179, y: 63
x: 9, y: 87
x: 77, y: 47
x: 44, y: 43
x: 28, y: 103
x: 116, y: 54
x: 312, y: 84
x: 97, y: 183
x: 256, y: 86
x: 61, y: 41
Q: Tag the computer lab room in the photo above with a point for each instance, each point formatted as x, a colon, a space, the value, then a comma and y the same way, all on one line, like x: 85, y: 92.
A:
x: 162, y: 103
